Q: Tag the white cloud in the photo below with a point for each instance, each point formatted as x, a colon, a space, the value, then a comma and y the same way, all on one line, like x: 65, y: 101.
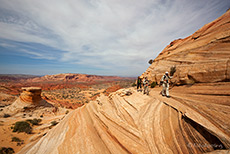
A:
x: 37, y: 55
x: 7, y: 45
x: 107, y: 34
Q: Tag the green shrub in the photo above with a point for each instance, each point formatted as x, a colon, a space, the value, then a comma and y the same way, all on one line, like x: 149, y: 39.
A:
x: 151, y: 61
x: 25, y: 108
x: 5, y: 150
x: 53, y: 123
x: 34, y: 121
x: 134, y: 84
x: 22, y: 126
x: 66, y: 112
x: 16, y: 139
x: 153, y: 84
x: 6, y: 115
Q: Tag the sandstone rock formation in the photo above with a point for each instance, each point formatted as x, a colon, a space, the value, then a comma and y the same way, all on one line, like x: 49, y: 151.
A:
x: 31, y: 95
x: 202, y: 57
x: 30, y: 98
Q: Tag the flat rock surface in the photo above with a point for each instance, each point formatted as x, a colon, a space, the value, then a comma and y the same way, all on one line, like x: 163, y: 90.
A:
x: 31, y: 88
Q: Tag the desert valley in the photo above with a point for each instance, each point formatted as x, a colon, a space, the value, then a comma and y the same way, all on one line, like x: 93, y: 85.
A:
x: 79, y: 113
x: 47, y: 100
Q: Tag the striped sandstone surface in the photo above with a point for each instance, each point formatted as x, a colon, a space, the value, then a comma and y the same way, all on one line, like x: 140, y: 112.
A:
x: 140, y: 124
x: 202, y: 57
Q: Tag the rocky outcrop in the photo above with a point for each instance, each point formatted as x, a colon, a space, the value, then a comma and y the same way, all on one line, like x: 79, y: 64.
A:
x: 130, y: 122
x: 200, y: 58
x: 30, y: 99
x: 31, y: 95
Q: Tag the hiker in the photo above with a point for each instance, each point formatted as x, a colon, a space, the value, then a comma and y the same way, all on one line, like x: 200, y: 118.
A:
x: 165, y: 84
x: 146, y: 86
x: 139, y: 83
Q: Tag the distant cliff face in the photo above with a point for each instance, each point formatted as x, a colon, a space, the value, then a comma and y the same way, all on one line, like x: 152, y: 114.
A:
x: 202, y: 57
x: 74, y: 77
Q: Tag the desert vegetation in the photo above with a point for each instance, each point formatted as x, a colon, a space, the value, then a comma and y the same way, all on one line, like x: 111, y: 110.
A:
x: 75, y: 97
x: 53, y: 123
x: 22, y: 126
x: 6, y: 115
x: 34, y: 121
x: 151, y: 61
x: 25, y: 126
x: 17, y: 140
x: 5, y: 150
x: 153, y: 84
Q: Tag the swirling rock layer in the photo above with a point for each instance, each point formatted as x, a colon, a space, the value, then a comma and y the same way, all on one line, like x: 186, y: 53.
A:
x: 30, y: 98
x: 185, y: 123
x: 200, y: 58
x: 31, y: 95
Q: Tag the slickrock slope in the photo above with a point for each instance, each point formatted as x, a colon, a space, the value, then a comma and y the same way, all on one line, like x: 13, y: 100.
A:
x: 140, y: 124
x: 201, y: 57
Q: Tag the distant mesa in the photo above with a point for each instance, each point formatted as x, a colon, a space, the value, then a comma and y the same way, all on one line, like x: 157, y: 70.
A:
x: 64, y: 77
x: 74, y: 77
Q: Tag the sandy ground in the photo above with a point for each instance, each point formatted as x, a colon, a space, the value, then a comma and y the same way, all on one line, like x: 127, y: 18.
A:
x: 38, y: 131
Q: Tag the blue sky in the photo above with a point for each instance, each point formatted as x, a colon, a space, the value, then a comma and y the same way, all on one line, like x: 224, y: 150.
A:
x: 103, y: 37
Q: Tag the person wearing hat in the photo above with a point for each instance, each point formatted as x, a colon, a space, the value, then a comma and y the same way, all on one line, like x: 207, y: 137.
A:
x: 146, y: 84
x: 165, y: 84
